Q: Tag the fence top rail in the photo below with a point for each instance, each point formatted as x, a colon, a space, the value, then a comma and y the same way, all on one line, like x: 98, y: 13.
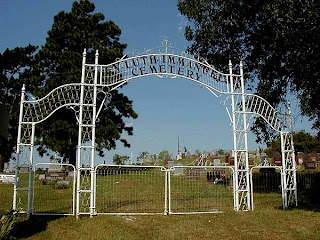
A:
x: 204, y: 167
x: 55, y: 164
x: 129, y: 166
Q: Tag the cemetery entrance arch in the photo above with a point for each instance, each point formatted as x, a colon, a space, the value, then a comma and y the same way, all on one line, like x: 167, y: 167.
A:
x: 164, y: 61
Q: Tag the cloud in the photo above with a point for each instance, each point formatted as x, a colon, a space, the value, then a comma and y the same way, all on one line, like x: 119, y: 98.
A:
x: 128, y: 124
x: 182, y: 22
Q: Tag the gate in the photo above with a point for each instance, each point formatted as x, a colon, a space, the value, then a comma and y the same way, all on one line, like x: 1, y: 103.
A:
x: 147, y: 190
x: 102, y: 79
x: 128, y: 189
x: 53, y: 189
x: 200, y: 189
x: 267, y: 187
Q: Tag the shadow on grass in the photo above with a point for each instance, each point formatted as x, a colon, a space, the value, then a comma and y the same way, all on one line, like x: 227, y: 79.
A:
x: 313, y: 207
x: 34, y: 225
x: 309, y: 192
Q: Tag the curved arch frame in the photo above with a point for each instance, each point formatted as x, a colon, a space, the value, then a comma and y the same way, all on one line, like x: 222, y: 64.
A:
x: 105, y: 78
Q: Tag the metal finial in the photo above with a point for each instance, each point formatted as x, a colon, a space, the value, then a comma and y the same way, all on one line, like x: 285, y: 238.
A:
x: 97, y: 56
x: 166, y: 44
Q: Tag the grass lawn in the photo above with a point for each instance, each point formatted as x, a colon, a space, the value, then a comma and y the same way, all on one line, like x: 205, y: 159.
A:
x: 143, y: 191
x: 6, y: 194
x: 260, y: 224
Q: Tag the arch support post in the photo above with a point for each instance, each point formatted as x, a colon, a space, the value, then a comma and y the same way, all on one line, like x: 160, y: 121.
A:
x: 289, y: 197
x: 85, y: 203
x: 22, y: 190
x: 240, y: 142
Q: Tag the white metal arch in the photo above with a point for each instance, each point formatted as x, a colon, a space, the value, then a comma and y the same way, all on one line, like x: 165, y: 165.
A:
x: 162, y: 62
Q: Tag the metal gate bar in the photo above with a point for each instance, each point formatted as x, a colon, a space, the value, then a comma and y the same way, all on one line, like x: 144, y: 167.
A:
x: 128, y: 189
x: 200, y: 189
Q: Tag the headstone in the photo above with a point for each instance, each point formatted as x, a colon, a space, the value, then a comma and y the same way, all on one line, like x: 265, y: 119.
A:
x: 227, y: 159
x: 251, y: 159
x: 55, y: 167
x: 276, y: 154
x: 62, y: 184
x: 310, y: 165
x: 216, y: 162
x: 300, y: 156
x: 71, y: 174
x: 313, y: 157
x: 258, y: 152
x: 263, y: 154
x: 5, y: 178
x: 277, y: 161
x: 24, y: 168
x: 216, y: 175
x: 170, y: 164
x: 6, y: 167
x: 231, y: 161
x: 178, y: 171
x: 41, y: 177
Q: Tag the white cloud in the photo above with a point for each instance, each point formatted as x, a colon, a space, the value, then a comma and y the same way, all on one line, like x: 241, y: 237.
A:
x: 130, y: 124
x: 182, y: 22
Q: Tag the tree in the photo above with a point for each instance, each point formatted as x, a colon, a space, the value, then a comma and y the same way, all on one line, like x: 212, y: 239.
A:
x: 143, y: 156
x: 119, y: 160
x: 164, y: 154
x: 60, y: 63
x: 15, y: 67
x: 278, y: 41
x: 197, y: 152
x: 303, y: 142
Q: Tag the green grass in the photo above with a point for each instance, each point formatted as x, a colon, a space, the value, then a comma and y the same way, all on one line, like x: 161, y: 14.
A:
x: 6, y: 194
x: 261, y: 224
x: 137, y: 192
x: 144, y: 192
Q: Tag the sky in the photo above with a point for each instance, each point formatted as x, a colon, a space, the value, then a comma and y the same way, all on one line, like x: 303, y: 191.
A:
x: 167, y: 108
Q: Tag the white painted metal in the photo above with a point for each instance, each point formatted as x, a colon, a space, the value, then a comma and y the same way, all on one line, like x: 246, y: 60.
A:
x: 289, y: 169
x: 131, y: 189
x: 93, y: 137
x: 14, y: 202
x: 164, y: 61
x: 200, y: 189
x: 30, y: 170
x: 78, y: 163
x: 240, y: 145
